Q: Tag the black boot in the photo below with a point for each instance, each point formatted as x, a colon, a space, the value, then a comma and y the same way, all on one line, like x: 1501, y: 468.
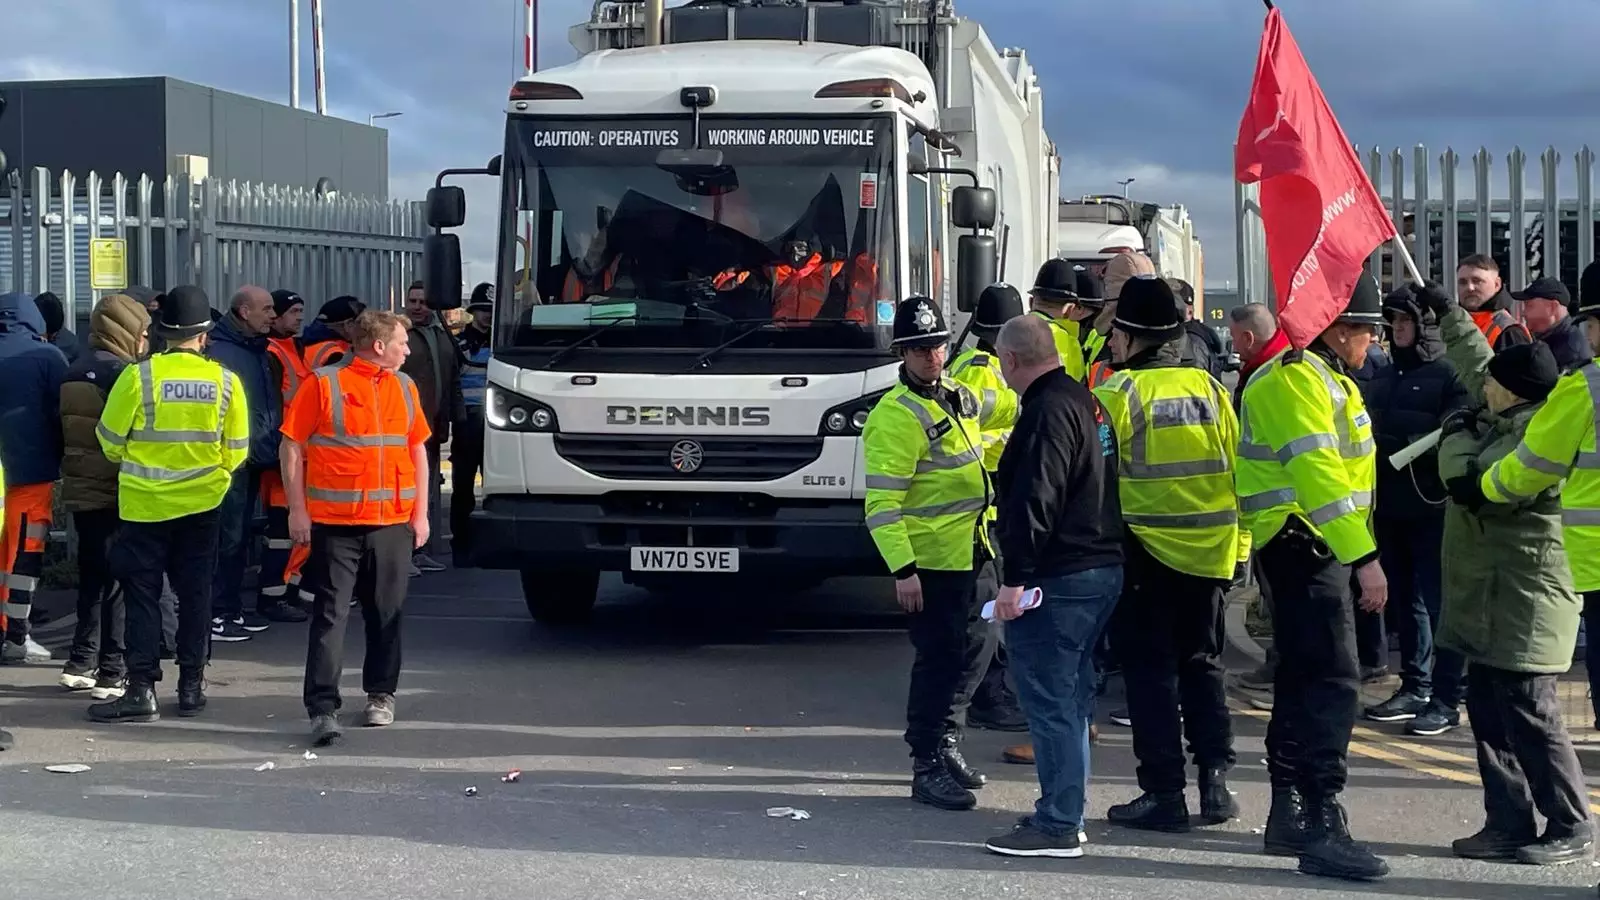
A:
x: 931, y: 783
x: 279, y: 610
x: 960, y: 769
x: 1152, y: 812
x: 137, y: 704
x: 1216, y: 801
x: 1330, y: 852
x: 191, y: 692
x: 1286, y: 823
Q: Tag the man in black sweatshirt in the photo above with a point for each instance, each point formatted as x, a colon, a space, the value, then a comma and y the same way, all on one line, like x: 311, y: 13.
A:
x: 1060, y: 530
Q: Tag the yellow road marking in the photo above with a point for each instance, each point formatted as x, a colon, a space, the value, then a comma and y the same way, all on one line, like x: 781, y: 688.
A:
x: 1371, y: 744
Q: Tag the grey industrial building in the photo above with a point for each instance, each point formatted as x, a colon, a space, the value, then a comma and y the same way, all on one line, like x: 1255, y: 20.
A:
x: 141, y: 126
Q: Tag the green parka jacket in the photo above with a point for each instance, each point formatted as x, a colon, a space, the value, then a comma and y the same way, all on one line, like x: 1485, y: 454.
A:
x: 1508, y: 596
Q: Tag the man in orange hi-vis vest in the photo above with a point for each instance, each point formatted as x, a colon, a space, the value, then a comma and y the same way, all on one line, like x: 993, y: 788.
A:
x: 354, y: 454
x: 278, y: 598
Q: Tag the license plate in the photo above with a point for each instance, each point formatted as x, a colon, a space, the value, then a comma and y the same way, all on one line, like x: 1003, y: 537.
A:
x: 684, y: 559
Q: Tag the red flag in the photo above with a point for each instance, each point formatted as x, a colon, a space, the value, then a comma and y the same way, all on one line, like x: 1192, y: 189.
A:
x: 1321, y: 214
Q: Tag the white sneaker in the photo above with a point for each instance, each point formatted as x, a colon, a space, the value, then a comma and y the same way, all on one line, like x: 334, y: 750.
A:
x: 77, y: 682
x: 36, y: 652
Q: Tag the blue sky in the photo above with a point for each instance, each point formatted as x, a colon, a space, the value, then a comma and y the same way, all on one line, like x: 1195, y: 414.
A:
x: 1151, y: 90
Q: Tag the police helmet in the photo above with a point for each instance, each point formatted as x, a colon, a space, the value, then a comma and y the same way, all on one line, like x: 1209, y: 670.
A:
x: 1148, y: 308
x: 918, y: 322
x: 1366, y: 303
x: 185, y: 311
x: 1057, y: 282
x: 998, y: 304
x: 1091, y: 290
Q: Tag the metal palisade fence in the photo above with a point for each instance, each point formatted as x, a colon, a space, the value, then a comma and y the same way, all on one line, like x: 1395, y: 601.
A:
x: 217, y: 234
x: 1486, y: 209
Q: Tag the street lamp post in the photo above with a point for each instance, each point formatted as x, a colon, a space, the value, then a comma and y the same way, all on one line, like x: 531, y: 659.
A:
x: 376, y: 116
x: 1125, y: 182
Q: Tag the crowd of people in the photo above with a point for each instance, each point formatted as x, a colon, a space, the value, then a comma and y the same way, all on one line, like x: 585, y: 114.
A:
x: 1083, y: 470
x: 180, y: 439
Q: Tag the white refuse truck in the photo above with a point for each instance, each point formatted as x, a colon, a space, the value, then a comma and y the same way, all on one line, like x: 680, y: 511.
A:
x: 1095, y: 228
x: 706, y: 223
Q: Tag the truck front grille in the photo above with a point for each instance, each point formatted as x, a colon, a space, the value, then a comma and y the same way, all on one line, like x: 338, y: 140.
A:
x: 696, y: 458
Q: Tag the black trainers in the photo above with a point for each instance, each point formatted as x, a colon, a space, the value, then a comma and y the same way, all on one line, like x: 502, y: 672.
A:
x: 1027, y: 840
x: 1435, y: 720
x: 325, y: 729
x: 1002, y: 715
x: 1287, y: 829
x: 1152, y: 812
x: 932, y: 783
x: 191, y: 693
x: 252, y: 622
x: 108, y: 687
x: 1402, y: 707
x: 138, y: 704
x: 1120, y: 717
x: 961, y: 770
x: 281, y: 611
x: 1558, y: 851
x: 1492, y: 845
x: 1217, y: 803
x: 1331, y: 852
x: 229, y: 631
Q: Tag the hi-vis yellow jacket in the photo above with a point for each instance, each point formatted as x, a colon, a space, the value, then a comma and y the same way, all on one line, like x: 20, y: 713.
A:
x: 1306, y: 450
x: 926, y: 487
x: 997, y: 402
x: 1066, y: 336
x: 1092, y: 345
x: 1176, y: 438
x: 178, y: 425
x: 1561, y: 443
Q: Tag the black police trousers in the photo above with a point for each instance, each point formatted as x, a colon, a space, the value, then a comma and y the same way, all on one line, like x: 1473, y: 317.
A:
x: 1168, y: 631
x: 185, y: 551
x: 1316, y: 691
x: 953, y: 647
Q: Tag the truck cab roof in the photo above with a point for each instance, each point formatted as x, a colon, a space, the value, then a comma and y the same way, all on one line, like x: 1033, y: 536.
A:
x: 639, y: 80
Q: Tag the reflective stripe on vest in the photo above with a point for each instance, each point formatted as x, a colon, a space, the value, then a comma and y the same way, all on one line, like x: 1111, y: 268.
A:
x: 574, y: 288
x: 295, y: 369
x: 1580, y: 516
x: 321, y: 353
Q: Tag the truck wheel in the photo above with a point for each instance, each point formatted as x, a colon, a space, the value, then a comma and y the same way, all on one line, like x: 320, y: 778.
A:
x: 560, y: 598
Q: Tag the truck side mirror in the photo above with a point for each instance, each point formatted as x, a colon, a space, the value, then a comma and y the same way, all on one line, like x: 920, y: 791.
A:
x: 493, y: 168
x: 441, y: 270
x: 973, y: 207
x: 977, y: 267
x: 446, y: 207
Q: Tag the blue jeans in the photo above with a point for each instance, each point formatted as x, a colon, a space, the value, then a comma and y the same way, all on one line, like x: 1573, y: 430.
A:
x: 1052, y: 662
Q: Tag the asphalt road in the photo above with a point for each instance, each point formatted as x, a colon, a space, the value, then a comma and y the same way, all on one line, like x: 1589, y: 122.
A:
x: 651, y: 745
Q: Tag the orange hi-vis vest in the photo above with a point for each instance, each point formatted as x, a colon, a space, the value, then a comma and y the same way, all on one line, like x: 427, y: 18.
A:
x: 575, y: 288
x: 798, y: 292
x: 863, y: 289
x: 293, y: 361
x: 358, y: 423
x: 324, y: 353
x: 1493, y: 322
x: 1099, y: 371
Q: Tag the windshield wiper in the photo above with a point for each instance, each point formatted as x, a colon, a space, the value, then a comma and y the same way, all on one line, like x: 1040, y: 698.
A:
x: 581, y: 342
x: 755, y: 326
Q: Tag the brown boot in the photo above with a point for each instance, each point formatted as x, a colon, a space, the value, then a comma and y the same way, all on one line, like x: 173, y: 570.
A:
x: 1019, y: 754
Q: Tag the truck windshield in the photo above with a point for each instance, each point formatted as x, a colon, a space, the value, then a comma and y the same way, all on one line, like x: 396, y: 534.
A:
x: 784, y: 229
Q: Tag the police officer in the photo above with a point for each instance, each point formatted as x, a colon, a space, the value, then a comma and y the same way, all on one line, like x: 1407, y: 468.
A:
x: 1055, y: 291
x: 1306, y: 470
x: 177, y: 426
x: 994, y: 705
x: 1176, y: 437
x: 466, y: 449
x: 926, y: 498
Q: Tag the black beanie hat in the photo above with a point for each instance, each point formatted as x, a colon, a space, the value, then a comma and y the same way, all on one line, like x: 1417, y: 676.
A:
x: 1527, y: 370
x: 283, y: 301
x: 51, y: 310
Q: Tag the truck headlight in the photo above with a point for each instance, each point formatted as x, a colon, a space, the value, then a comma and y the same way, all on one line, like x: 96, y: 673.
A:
x: 509, y: 411
x: 848, y: 419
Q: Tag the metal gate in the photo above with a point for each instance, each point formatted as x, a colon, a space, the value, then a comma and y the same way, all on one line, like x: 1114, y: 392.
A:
x: 217, y: 234
x: 1493, y: 215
